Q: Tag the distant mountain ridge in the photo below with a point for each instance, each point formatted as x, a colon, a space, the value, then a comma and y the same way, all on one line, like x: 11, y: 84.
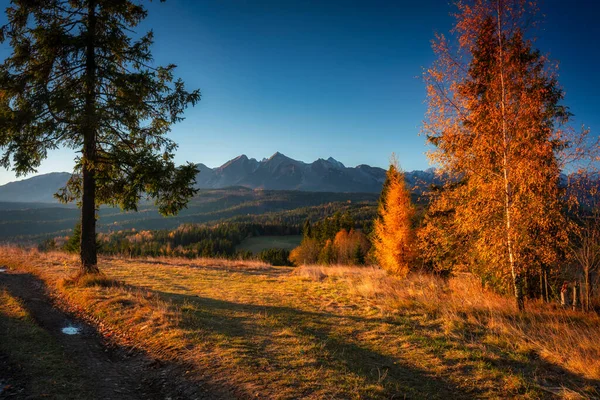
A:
x: 38, y: 189
x: 280, y: 172
x: 277, y: 172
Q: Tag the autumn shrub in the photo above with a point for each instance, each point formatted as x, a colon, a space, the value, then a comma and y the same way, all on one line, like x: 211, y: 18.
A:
x: 306, y: 253
x: 351, y: 247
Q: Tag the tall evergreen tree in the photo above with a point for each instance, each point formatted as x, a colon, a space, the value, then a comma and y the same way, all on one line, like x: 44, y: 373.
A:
x: 77, y: 79
x: 307, y: 229
x: 496, y: 121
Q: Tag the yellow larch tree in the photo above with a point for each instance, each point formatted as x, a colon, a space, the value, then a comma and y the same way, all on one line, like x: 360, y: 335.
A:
x: 393, y: 234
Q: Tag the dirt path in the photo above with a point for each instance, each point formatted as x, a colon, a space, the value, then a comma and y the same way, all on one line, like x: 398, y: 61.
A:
x: 107, y: 371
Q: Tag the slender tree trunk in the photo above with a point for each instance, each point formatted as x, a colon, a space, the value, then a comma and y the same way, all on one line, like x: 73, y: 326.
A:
x: 89, y: 261
x: 516, y: 276
x: 575, y: 296
x: 542, y: 284
x: 546, y: 286
x: 587, y: 289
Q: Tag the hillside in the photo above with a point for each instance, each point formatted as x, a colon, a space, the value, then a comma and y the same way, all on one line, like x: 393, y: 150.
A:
x: 39, y: 189
x: 275, y: 173
x: 33, y: 221
x: 313, y: 332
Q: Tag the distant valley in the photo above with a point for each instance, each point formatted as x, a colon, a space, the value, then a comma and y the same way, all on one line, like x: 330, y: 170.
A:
x: 23, y: 222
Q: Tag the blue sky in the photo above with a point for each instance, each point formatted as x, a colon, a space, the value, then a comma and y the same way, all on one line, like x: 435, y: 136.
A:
x: 328, y: 78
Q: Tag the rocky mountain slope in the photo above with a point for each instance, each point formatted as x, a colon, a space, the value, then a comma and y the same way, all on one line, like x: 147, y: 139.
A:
x: 278, y: 172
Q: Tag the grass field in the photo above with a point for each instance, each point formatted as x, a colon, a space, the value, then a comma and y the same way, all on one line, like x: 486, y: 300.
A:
x: 257, y: 244
x: 331, y: 332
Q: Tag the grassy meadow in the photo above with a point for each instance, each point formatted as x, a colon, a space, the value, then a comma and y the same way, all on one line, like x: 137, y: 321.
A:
x: 316, y: 332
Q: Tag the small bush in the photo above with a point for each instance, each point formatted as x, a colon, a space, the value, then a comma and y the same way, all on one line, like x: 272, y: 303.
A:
x: 47, y: 245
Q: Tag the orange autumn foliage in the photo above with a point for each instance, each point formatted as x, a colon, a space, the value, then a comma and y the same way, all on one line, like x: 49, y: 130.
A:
x: 496, y: 119
x: 348, y: 243
x: 393, y: 234
x: 306, y: 253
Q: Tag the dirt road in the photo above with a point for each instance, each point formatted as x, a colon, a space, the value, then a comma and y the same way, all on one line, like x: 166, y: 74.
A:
x: 104, y: 370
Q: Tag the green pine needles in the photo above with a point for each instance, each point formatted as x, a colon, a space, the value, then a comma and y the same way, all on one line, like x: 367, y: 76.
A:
x: 77, y: 79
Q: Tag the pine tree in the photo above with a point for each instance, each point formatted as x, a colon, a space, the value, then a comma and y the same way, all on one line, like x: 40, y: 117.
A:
x: 496, y: 121
x: 77, y: 79
x: 73, y: 244
x: 393, y: 234
x: 328, y: 254
x: 307, y: 229
x: 358, y: 257
x: 441, y: 247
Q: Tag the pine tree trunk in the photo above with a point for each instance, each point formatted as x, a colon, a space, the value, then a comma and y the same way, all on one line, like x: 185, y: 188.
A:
x: 89, y: 261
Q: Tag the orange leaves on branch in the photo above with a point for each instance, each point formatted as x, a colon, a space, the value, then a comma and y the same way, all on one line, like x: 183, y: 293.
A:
x: 496, y: 122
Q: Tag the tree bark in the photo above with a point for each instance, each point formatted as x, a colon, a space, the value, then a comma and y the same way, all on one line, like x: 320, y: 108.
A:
x: 542, y: 284
x: 89, y: 261
x: 575, y: 296
x: 587, y: 289
x: 547, y: 290
x: 516, y: 276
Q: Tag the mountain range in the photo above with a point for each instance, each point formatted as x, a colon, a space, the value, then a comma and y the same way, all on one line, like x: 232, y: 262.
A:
x: 277, y: 172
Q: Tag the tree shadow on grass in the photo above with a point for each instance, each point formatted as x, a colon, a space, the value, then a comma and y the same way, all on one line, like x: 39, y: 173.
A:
x: 547, y: 374
x: 380, y: 375
x: 395, y: 375
x: 242, y: 267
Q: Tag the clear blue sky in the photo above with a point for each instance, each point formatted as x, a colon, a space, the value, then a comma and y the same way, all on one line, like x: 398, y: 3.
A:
x: 320, y: 78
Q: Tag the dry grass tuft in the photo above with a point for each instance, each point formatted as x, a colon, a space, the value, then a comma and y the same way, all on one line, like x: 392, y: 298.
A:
x: 89, y: 280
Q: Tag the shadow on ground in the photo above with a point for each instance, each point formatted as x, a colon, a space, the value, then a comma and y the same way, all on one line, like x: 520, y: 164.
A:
x: 397, y: 375
x: 96, y: 368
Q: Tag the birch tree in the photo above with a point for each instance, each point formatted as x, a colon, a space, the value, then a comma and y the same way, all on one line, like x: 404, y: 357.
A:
x: 496, y: 122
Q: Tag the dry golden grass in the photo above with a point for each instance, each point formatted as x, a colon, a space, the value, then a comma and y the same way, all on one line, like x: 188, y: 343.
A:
x: 567, y: 338
x: 329, y: 332
x: 201, y: 262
